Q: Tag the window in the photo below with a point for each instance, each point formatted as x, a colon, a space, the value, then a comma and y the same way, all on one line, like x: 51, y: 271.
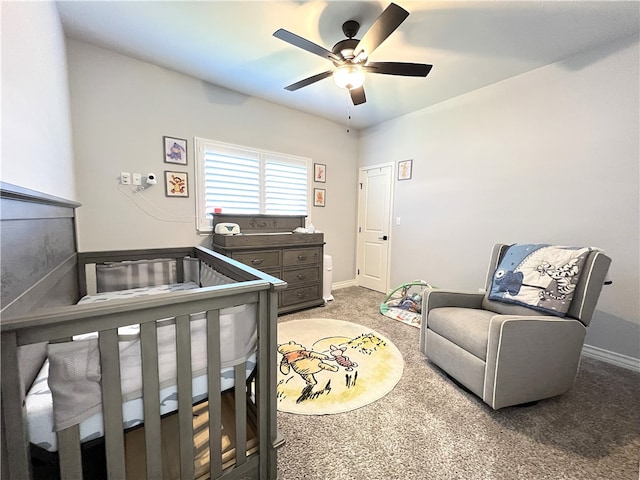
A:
x: 246, y: 180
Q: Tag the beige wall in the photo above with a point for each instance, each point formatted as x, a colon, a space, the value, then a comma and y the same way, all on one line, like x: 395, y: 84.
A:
x: 121, y: 108
x: 550, y: 156
x: 36, y: 124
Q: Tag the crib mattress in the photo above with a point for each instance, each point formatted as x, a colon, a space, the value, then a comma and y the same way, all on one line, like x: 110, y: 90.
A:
x: 39, y: 406
x: 39, y: 399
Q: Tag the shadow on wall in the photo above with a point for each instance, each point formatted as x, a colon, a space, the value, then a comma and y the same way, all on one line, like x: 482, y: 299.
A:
x: 578, y: 62
x: 222, y: 96
x: 605, y: 327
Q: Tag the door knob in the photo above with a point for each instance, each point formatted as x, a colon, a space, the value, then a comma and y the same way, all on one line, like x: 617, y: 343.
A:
x: 384, y: 237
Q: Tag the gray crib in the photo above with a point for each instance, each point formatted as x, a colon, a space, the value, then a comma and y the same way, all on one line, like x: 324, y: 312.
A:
x: 213, y: 432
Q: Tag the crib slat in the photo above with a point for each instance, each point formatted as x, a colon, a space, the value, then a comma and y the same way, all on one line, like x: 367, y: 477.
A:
x: 262, y: 383
x: 112, y: 403
x: 214, y: 387
x: 267, y: 377
x: 179, y: 270
x: 69, y: 453
x: 241, y: 413
x: 151, y: 398
x: 17, y: 455
x: 185, y: 408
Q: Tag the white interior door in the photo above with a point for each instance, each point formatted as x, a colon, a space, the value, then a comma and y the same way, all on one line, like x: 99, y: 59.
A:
x: 374, y: 225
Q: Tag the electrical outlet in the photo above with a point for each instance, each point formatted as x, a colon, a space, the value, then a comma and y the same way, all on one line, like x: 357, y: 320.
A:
x: 125, y: 178
x: 397, y: 220
x: 137, y: 179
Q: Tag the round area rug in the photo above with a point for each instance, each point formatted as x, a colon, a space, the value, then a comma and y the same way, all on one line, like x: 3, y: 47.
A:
x: 332, y: 366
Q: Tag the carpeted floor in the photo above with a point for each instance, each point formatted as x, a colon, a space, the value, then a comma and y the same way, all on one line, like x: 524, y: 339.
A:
x: 429, y: 428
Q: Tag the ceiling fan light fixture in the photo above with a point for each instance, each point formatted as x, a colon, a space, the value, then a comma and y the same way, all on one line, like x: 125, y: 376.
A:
x: 349, y: 76
x: 350, y: 56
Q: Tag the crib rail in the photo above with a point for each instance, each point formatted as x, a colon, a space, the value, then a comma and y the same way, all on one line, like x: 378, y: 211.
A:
x: 60, y: 324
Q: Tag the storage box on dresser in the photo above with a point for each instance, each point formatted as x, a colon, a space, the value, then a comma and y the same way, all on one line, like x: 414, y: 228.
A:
x: 267, y: 243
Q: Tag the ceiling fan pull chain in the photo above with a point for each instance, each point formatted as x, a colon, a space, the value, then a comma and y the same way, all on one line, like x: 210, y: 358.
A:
x: 348, y: 112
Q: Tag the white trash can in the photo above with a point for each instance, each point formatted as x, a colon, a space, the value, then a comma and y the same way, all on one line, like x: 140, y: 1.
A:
x: 327, y: 278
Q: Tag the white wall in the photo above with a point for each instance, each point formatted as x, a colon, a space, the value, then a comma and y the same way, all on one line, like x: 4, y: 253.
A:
x: 122, y: 107
x: 36, y: 124
x: 550, y: 156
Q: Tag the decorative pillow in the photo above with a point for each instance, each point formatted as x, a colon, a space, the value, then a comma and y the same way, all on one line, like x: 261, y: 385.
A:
x: 74, y: 381
x: 542, y: 277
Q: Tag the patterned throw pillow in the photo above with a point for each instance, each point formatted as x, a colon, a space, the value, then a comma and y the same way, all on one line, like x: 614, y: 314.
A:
x: 542, y: 277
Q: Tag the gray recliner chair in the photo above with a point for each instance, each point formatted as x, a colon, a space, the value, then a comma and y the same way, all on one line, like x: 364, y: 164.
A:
x: 509, y: 354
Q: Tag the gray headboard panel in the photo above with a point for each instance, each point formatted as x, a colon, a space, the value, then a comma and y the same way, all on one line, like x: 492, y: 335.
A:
x: 37, y: 252
x: 38, y: 260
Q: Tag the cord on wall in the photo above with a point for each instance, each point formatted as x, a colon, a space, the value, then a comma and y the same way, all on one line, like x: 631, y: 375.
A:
x: 136, y: 193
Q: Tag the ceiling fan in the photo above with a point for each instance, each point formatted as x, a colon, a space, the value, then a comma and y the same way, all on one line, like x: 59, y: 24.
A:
x: 350, y: 56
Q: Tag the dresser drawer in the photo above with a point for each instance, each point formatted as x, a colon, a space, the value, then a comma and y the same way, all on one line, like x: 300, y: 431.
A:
x: 291, y: 296
x: 301, y: 256
x: 260, y: 259
x: 300, y: 275
x: 296, y: 259
x: 274, y: 272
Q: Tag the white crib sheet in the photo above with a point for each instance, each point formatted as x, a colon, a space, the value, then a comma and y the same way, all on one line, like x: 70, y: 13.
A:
x: 39, y: 406
x: 39, y: 401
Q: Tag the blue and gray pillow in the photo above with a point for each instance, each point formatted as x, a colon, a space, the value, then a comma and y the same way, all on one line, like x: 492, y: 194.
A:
x: 538, y: 276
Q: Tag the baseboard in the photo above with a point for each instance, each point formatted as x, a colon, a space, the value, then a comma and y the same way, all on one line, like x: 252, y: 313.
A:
x: 345, y: 284
x: 612, y: 357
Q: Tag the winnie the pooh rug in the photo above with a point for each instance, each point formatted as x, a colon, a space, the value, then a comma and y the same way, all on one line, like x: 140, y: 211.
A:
x: 330, y: 366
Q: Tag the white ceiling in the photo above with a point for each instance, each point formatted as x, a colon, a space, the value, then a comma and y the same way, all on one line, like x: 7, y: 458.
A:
x: 469, y: 44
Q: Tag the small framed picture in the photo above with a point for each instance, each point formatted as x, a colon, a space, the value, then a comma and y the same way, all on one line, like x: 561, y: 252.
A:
x: 176, y: 184
x: 319, y: 172
x: 404, y: 169
x: 175, y: 150
x: 319, y: 197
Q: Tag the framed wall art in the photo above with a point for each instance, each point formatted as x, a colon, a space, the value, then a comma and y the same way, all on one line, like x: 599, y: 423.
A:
x: 176, y: 184
x: 319, y: 197
x: 405, y: 169
x: 319, y: 172
x: 175, y: 150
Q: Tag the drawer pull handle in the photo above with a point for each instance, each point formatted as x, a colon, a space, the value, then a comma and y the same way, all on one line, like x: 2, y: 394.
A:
x: 257, y: 261
x: 301, y: 276
x: 302, y: 257
x: 301, y: 295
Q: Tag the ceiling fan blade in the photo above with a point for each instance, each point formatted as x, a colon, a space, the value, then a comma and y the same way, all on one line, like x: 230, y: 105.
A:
x: 384, y: 25
x: 357, y: 95
x: 399, y: 68
x: 303, y: 43
x: 309, y: 81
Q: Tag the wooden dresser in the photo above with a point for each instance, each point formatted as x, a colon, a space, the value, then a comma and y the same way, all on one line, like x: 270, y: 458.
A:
x: 266, y: 242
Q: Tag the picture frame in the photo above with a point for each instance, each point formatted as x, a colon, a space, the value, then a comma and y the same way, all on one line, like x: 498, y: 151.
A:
x: 405, y: 169
x: 319, y: 172
x: 175, y: 150
x: 319, y: 197
x: 176, y: 184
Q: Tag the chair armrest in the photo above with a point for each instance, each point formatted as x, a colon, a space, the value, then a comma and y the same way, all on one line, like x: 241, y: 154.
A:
x: 530, y: 358
x: 449, y: 298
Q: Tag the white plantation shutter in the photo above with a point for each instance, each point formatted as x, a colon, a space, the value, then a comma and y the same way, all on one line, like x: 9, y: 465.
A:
x: 244, y: 180
x: 232, y: 180
x: 285, y: 187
